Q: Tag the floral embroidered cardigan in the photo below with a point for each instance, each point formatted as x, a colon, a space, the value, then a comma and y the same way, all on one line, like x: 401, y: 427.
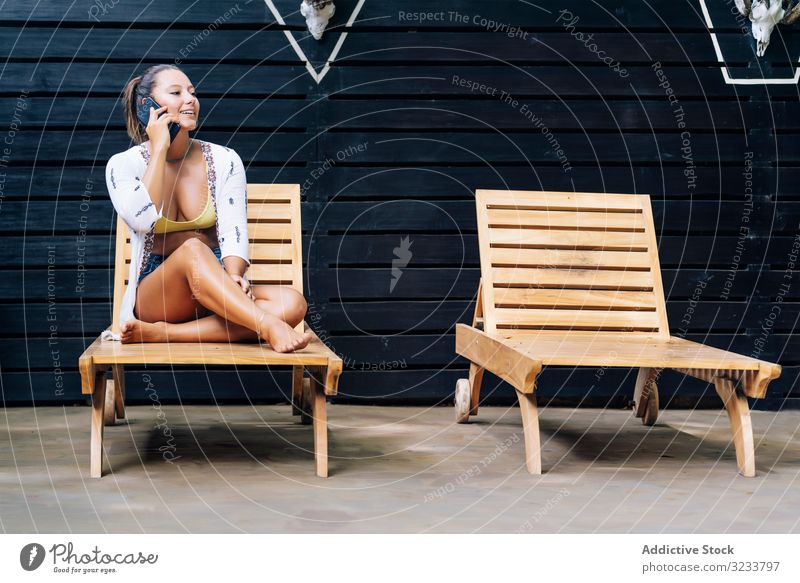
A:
x: 228, y: 191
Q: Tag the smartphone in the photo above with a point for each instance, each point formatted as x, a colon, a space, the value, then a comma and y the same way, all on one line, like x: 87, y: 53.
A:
x: 143, y: 113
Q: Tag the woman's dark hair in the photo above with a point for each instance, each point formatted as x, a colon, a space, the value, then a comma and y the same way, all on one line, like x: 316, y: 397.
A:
x: 137, y: 89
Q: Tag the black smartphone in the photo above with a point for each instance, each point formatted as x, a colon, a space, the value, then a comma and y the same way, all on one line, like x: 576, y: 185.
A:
x: 143, y: 113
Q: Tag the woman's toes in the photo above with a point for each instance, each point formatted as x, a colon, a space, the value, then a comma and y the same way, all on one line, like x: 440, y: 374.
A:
x: 301, y: 341
x: 283, y: 338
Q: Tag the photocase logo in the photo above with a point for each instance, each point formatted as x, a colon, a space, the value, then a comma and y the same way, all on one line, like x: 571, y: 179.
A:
x: 402, y: 255
x: 31, y: 556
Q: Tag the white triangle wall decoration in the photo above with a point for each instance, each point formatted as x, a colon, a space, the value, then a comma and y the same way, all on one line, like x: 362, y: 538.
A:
x: 316, y: 75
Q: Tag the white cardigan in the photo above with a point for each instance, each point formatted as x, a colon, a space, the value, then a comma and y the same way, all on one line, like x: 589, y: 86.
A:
x: 227, y: 186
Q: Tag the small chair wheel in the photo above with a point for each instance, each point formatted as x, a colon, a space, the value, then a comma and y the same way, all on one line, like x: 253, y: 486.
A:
x: 462, y: 400
x: 651, y: 410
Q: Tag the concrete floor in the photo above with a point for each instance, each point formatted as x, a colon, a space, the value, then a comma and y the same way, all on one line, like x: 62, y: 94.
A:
x: 245, y: 469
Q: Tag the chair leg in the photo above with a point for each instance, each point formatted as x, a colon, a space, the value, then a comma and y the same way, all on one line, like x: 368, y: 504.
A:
x: 119, y: 390
x: 530, y: 427
x: 739, y: 415
x: 475, y: 380
x: 320, y: 415
x: 115, y: 395
x: 98, y: 422
x: 306, y: 402
x: 109, y: 415
x: 297, y: 389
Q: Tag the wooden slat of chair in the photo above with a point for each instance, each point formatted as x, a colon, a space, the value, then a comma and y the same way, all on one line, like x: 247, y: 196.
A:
x: 625, y: 350
x: 525, y: 319
x: 211, y: 353
x: 518, y: 238
x: 566, y: 279
x: 565, y: 220
x: 573, y: 279
x: 553, y: 201
x: 572, y: 298
x: 274, y: 230
x: 568, y: 259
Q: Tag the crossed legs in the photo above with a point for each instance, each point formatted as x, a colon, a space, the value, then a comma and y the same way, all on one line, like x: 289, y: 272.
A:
x: 190, y: 298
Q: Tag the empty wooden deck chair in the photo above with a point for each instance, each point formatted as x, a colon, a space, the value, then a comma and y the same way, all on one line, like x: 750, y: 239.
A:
x: 276, y: 258
x: 573, y: 279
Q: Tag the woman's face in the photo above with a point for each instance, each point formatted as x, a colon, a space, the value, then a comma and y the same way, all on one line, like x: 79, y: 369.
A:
x: 171, y: 88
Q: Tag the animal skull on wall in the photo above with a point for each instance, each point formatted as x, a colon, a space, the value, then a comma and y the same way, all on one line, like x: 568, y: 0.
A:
x: 317, y: 14
x: 765, y: 15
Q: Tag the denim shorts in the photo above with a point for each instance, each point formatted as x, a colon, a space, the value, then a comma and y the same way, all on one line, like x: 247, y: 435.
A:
x: 156, y: 260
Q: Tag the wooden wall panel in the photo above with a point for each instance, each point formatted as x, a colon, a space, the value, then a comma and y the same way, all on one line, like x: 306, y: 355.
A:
x: 389, y: 147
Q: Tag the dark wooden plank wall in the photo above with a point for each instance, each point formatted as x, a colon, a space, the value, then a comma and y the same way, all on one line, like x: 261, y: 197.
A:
x: 406, y: 143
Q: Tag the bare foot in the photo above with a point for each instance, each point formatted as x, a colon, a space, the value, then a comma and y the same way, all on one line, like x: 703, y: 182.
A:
x: 282, y: 337
x: 138, y: 331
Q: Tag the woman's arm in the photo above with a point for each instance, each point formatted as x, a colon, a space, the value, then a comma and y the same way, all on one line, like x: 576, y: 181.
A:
x: 140, y: 201
x: 160, y: 140
x: 234, y: 265
x: 232, y: 217
x: 130, y: 195
x: 153, y: 178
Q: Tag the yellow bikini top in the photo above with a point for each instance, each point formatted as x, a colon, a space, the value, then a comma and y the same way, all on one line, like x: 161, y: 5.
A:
x: 207, y: 218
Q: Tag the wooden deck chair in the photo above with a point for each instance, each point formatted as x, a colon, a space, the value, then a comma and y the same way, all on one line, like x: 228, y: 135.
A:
x: 276, y: 258
x: 573, y: 279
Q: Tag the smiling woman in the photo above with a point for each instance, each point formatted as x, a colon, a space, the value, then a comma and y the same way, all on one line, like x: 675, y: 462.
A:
x: 189, y: 254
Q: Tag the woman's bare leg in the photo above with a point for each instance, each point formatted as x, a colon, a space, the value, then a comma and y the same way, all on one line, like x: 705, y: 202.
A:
x: 191, y: 278
x: 282, y: 302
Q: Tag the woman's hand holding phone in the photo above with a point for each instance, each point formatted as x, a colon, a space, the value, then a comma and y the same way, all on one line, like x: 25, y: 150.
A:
x: 158, y: 128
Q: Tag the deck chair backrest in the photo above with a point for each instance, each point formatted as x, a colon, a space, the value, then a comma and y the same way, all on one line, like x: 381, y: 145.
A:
x: 564, y: 261
x: 274, y: 229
